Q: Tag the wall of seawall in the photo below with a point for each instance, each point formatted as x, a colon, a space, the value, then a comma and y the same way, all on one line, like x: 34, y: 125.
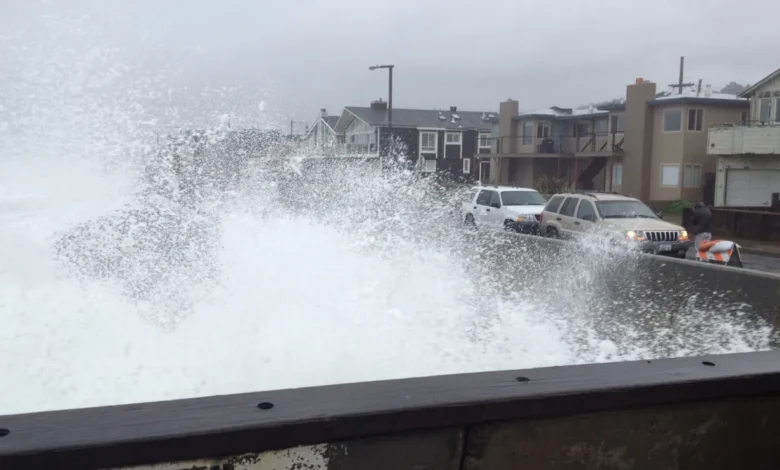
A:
x: 616, y: 291
x: 715, y: 412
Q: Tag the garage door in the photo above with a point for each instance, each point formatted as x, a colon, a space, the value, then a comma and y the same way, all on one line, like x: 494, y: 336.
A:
x: 751, y: 188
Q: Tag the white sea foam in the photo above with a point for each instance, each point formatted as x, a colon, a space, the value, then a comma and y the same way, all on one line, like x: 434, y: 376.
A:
x: 311, y: 277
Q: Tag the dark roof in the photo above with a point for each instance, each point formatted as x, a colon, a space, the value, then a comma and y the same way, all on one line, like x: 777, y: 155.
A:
x: 750, y: 91
x: 481, y: 120
x: 331, y: 121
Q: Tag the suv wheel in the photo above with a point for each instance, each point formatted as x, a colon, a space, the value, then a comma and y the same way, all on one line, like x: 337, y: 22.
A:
x: 469, y: 222
x: 552, y: 232
x: 509, y: 226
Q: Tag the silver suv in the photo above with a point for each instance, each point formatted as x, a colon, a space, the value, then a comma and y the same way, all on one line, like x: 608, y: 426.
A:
x: 570, y: 215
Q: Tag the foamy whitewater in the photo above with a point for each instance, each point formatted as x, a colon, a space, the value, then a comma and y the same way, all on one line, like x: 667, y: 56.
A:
x: 302, y: 276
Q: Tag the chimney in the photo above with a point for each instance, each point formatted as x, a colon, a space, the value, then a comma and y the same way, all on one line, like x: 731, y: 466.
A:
x: 639, y: 81
x: 708, y: 90
x: 453, y: 109
x: 379, y: 105
x: 323, y: 112
x: 698, y: 89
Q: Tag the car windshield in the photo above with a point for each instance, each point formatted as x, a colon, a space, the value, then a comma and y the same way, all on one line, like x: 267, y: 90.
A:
x: 624, y: 210
x: 522, y: 198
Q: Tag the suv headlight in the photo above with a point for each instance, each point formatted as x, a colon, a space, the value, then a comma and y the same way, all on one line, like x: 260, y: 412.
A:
x: 526, y: 218
x: 683, y: 235
x: 635, y: 235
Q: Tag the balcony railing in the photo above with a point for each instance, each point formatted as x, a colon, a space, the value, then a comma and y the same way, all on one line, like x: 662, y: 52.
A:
x: 344, y: 150
x: 602, y: 143
x: 744, y: 138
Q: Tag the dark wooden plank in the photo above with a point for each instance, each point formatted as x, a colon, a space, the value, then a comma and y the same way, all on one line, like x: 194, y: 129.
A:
x: 233, y: 424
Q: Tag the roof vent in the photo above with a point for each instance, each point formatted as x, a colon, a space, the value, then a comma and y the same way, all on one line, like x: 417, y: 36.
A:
x: 455, y: 117
x: 442, y: 117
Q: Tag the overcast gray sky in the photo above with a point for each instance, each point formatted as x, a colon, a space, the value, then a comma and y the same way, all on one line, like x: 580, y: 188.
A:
x: 302, y: 55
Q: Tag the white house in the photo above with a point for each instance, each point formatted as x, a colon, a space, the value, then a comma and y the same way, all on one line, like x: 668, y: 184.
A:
x: 748, y: 152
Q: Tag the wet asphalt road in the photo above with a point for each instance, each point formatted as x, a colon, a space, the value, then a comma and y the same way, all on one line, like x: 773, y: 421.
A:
x: 761, y: 262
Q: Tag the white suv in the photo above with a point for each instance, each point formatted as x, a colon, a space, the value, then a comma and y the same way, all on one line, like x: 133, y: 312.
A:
x: 506, y: 207
x: 572, y: 214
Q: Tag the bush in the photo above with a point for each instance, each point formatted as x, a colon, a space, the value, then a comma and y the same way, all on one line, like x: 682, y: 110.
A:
x: 677, y: 207
x: 552, y: 185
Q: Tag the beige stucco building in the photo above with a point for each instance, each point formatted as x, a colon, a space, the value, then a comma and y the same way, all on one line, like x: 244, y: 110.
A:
x: 650, y: 145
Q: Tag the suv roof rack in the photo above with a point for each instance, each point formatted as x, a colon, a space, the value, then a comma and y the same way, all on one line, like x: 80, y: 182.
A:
x: 594, y: 193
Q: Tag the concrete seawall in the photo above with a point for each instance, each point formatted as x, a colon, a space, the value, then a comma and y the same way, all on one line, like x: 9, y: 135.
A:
x: 714, y: 413
x: 618, y: 292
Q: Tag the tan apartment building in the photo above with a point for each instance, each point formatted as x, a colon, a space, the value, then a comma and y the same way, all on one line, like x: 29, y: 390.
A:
x: 748, y: 151
x: 651, y: 145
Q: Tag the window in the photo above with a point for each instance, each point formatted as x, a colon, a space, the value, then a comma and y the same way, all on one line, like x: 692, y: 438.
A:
x: 617, y: 174
x: 670, y: 175
x: 569, y: 206
x: 695, y: 119
x: 543, y: 130
x: 617, y: 123
x: 601, y: 127
x: 528, y: 133
x: 582, y: 129
x: 672, y: 120
x: 429, y: 165
x: 522, y: 198
x: 586, y: 211
x: 495, y: 200
x: 765, y: 107
x: 777, y: 107
x: 466, y: 165
x: 428, y: 142
x: 453, y: 138
x: 484, y: 198
x: 484, y: 140
x: 745, y: 117
x: 554, y: 204
x: 625, y: 209
x: 692, y: 176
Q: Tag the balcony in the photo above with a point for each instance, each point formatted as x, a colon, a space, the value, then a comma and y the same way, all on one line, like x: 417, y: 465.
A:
x: 593, y: 145
x: 744, y: 139
x: 343, y: 150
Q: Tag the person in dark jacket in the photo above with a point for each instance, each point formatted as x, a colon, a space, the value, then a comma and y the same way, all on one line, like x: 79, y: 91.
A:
x: 702, y: 220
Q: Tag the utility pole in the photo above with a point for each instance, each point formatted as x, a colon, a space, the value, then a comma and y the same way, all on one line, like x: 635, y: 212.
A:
x: 389, y: 104
x: 680, y: 85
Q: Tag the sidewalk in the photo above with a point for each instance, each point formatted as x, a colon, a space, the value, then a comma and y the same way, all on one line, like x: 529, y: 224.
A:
x: 759, y: 248
x: 753, y: 247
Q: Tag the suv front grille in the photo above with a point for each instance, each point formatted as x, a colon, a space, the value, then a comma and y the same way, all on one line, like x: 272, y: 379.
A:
x: 662, y: 236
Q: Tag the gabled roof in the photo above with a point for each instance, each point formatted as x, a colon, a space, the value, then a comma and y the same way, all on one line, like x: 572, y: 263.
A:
x: 750, y: 91
x: 331, y: 121
x: 414, y: 118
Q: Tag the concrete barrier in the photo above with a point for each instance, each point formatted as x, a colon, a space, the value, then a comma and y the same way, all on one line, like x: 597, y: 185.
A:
x: 714, y: 412
x: 619, y: 292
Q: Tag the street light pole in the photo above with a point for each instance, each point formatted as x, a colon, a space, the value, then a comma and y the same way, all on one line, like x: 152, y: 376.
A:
x: 389, y: 101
